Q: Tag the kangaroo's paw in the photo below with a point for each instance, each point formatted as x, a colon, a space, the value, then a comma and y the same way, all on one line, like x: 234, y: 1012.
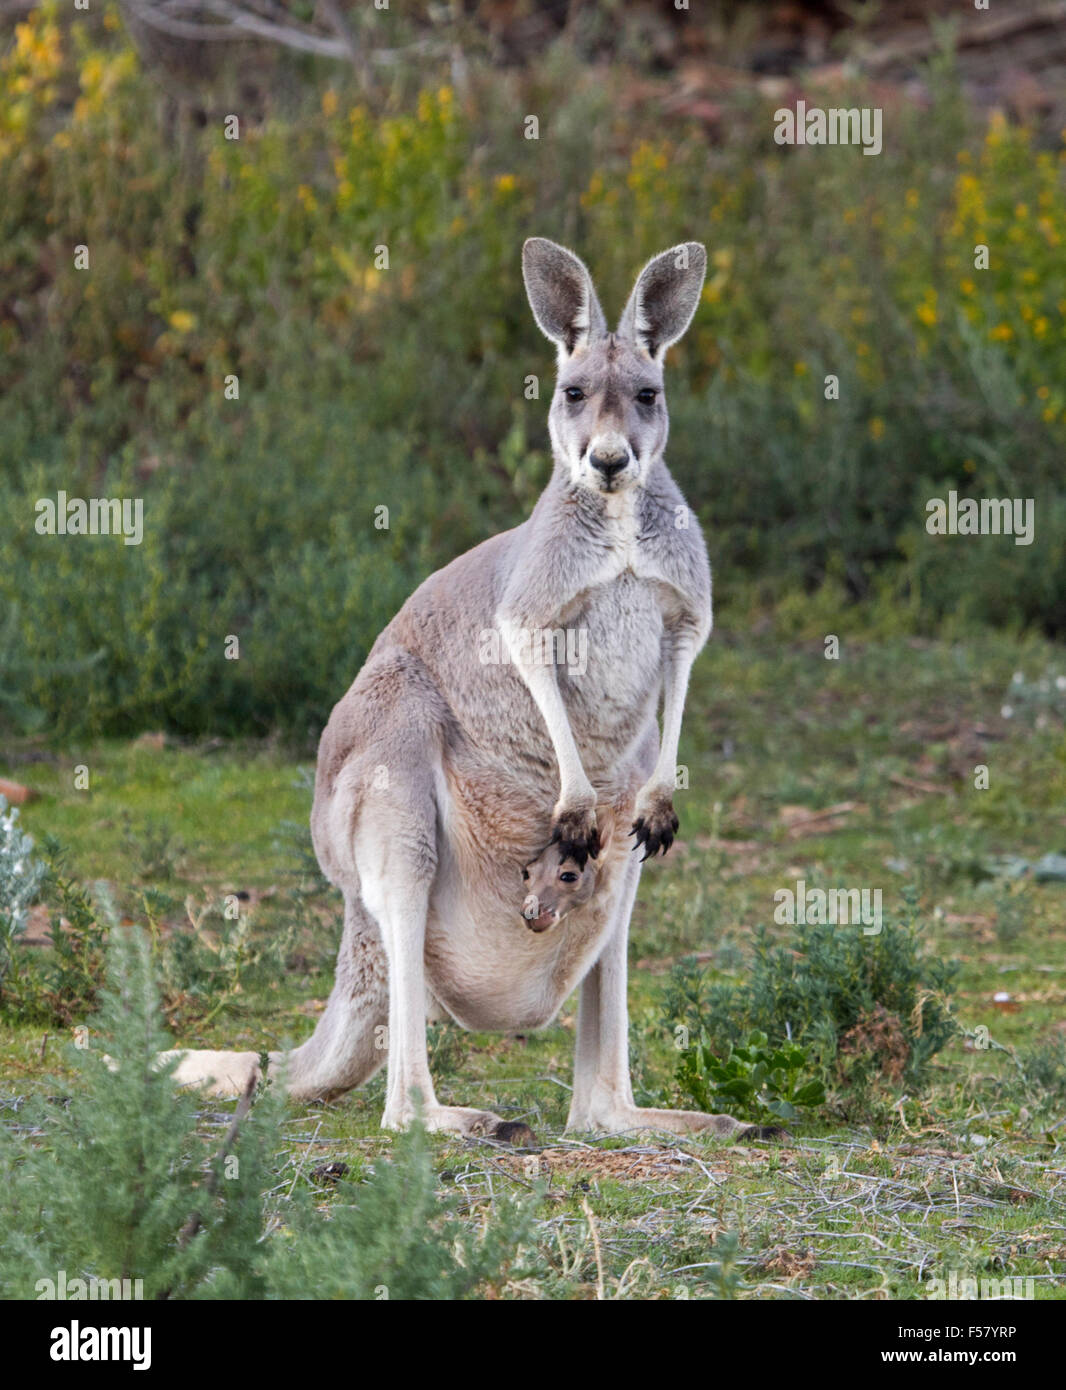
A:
x: 470, y: 1124
x: 574, y: 831
x: 656, y: 824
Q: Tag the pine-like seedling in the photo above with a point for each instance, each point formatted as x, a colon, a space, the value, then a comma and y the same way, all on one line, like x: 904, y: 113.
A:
x: 118, y: 1182
x: 395, y: 1237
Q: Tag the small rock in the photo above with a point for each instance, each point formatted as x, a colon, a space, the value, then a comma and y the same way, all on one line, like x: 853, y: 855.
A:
x: 16, y: 793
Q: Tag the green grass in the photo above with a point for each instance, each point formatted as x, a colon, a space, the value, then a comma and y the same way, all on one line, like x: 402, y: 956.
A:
x: 964, y: 1175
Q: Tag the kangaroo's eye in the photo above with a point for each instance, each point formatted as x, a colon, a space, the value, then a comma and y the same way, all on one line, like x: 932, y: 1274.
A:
x: 647, y: 395
x: 525, y: 874
x: 574, y: 394
x: 568, y: 877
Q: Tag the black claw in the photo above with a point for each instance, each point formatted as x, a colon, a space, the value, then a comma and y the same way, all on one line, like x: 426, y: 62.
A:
x: 580, y: 850
x: 652, y: 840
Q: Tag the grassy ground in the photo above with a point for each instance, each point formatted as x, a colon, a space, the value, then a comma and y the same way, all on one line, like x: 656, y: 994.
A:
x: 859, y: 772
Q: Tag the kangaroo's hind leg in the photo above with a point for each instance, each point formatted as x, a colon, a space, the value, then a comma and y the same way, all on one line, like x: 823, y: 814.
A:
x: 349, y: 1042
x: 395, y: 850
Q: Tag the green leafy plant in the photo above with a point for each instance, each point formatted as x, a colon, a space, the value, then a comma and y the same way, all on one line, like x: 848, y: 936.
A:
x: 751, y: 1080
x: 859, y: 1004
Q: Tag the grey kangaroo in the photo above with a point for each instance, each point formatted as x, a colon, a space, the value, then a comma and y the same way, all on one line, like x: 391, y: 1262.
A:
x: 469, y: 740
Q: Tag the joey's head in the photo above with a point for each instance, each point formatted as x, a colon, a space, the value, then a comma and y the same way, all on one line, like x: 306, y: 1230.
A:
x: 608, y: 419
x: 555, y: 885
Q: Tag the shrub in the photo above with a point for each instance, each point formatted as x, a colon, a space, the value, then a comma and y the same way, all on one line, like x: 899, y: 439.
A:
x: 844, y: 997
x: 121, y: 1186
x: 186, y: 1214
x: 59, y: 985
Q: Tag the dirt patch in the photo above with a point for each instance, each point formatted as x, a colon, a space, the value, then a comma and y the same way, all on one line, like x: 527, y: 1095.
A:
x: 638, y: 1164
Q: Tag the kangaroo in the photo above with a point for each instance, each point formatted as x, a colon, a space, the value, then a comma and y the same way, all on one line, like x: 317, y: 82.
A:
x: 556, y: 885
x: 468, y: 739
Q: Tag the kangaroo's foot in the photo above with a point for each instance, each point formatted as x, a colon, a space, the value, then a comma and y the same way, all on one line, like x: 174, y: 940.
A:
x: 656, y: 822
x: 216, y: 1073
x: 622, y: 1119
x: 462, y: 1120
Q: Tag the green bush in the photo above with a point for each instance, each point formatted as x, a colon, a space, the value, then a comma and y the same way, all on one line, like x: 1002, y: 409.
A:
x: 362, y: 387
x: 186, y: 1214
x: 857, y: 1004
x: 126, y: 1150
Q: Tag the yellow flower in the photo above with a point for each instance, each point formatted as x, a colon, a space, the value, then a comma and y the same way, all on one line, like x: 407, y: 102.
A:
x: 182, y: 321
x: 506, y: 183
x: 329, y: 102
x: 911, y: 198
x: 1002, y: 333
x: 927, y: 314
x: 800, y: 368
x: 1048, y: 415
x: 967, y: 287
x: 1043, y: 392
x: 877, y: 427
x: 1040, y: 327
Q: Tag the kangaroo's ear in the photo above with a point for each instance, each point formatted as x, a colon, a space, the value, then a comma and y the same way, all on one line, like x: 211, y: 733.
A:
x: 561, y: 296
x: 664, y: 298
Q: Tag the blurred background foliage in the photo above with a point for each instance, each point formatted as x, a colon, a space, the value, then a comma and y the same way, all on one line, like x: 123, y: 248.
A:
x: 405, y: 388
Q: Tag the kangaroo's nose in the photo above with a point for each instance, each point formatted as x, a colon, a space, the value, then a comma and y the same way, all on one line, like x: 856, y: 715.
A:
x: 608, y: 464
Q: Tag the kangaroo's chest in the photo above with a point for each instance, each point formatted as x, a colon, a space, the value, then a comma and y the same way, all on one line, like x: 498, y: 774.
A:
x: 612, y: 677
